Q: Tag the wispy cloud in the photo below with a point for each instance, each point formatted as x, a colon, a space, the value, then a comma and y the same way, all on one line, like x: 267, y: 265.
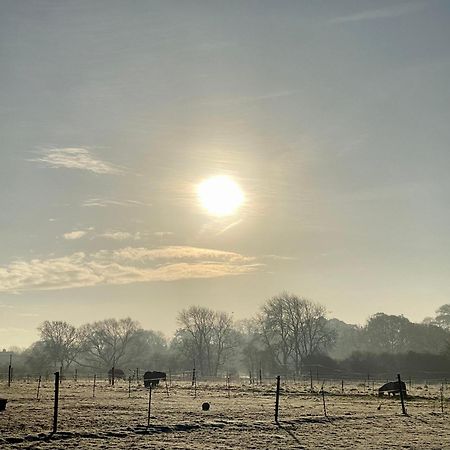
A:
x: 104, y: 202
x: 280, y: 257
x: 228, y: 227
x: 72, y: 235
x: 75, y: 158
x: 142, y: 254
x: 389, y: 12
x: 120, y: 235
x: 162, y: 234
x: 123, y: 266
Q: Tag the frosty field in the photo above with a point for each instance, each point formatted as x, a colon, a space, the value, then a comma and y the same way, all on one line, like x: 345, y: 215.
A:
x: 242, y: 417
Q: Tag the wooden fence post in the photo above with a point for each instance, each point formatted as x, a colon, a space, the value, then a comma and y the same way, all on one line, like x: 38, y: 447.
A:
x: 167, y: 388
x: 38, y: 388
x: 55, y: 405
x: 277, y: 399
x: 93, y: 387
x: 10, y: 371
x: 323, y: 400
x: 401, y: 394
x: 149, y: 404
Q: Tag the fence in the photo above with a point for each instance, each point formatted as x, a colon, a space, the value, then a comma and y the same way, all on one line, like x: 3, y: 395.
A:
x: 93, y: 403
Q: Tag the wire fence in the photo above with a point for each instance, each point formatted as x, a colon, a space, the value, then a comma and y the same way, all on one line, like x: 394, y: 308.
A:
x: 93, y: 404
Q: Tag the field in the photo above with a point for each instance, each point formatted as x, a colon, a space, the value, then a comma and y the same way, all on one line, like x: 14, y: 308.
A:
x: 239, y: 417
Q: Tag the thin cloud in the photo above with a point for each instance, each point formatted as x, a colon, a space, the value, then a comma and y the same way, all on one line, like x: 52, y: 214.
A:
x: 6, y: 306
x: 389, y: 12
x: 103, y: 203
x: 228, y: 227
x: 162, y: 234
x: 120, y: 235
x: 123, y: 266
x: 76, y: 158
x: 72, y: 235
x: 280, y: 257
x: 178, y: 252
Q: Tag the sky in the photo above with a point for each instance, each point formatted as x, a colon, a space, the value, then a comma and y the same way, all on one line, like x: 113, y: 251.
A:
x: 332, y: 117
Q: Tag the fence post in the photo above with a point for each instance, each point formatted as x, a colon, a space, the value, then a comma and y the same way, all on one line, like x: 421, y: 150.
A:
x: 55, y: 405
x: 10, y: 371
x: 93, y: 387
x: 112, y: 375
x: 167, y: 388
x: 194, y: 381
x: 311, y: 377
x: 323, y: 400
x: 277, y: 399
x: 149, y: 404
x: 38, y: 388
x: 129, y: 386
x: 401, y: 394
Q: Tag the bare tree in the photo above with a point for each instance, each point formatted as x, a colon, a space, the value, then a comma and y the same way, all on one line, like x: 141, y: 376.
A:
x: 207, y: 336
x: 275, y: 331
x: 106, y: 342
x: 61, y: 342
x: 294, y: 328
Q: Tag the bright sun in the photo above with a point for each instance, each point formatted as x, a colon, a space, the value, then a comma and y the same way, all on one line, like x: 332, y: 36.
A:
x: 220, y: 195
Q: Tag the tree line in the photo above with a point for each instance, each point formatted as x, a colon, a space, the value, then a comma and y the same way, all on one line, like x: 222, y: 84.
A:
x: 288, y: 336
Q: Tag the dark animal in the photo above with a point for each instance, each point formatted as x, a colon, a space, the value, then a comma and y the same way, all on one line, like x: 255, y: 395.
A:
x: 393, y: 387
x: 118, y: 374
x: 205, y: 406
x: 152, y: 378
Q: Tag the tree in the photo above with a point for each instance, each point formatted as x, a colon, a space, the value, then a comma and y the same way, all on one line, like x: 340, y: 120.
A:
x: 37, y: 358
x: 386, y: 333
x: 205, y: 335
x: 61, y: 342
x: 349, y: 338
x: 294, y: 329
x: 254, y: 354
x: 443, y: 317
x: 275, y: 331
x: 147, y: 349
x: 106, y: 342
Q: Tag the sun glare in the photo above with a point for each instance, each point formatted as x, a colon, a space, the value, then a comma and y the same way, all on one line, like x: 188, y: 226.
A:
x: 220, y: 195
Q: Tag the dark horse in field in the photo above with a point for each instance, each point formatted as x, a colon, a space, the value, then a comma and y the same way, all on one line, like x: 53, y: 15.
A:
x: 393, y: 387
x: 151, y: 378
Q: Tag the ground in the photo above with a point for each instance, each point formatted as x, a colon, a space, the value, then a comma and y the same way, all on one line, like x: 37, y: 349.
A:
x: 241, y: 417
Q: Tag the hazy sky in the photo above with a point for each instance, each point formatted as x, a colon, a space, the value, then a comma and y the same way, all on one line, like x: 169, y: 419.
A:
x: 332, y: 116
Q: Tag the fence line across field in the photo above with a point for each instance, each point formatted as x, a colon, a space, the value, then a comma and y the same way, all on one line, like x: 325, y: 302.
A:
x: 228, y: 387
